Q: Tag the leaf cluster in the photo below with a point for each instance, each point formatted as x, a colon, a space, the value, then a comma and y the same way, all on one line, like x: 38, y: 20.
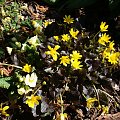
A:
x: 4, y: 82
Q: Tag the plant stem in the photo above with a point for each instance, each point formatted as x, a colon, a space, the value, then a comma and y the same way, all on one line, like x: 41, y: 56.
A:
x: 107, y: 95
x: 37, y: 89
x: 96, y: 35
x: 11, y: 65
x: 62, y: 109
x: 96, y: 93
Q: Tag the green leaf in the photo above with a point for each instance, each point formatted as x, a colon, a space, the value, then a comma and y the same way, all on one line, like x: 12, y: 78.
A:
x: 40, y: 22
x: 6, y: 78
x: 26, y: 22
x: 3, y: 83
x: 2, y: 1
x: 13, y: 45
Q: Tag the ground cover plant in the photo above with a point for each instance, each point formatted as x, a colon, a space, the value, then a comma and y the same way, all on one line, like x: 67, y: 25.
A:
x: 62, y: 74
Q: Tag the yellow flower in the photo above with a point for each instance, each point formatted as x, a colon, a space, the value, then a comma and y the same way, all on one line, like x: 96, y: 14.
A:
x: 31, y: 80
x: 65, y: 60
x: 53, y: 51
x: 104, y: 39
x: 38, y: 30
x: 3, y: 110
x: 68, y: 19
x: 35, y: 24
x: 106, y: 53
x: 32, y: 100
x: 46, y: 23
x: 75, y: 55
x: 113, y: 58
x: 76, y: 64
x: 27, y: 68
x: 101, y: 41
x: 90, y: 102
x: 73, y: 33
x: 103, y: 27
x: 65, y: 37
x: 111, y: 46
x: 105, y: 109
x: 56, y: 38
x: 63, y: 116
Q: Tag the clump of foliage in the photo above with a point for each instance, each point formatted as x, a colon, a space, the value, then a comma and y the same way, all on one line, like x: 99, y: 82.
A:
x: 56, y: 75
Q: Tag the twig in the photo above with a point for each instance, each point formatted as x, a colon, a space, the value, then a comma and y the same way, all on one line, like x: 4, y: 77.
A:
x: 11, y: 65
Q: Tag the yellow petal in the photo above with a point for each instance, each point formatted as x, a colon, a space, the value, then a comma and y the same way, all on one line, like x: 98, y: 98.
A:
x: 5, y: 108
x: 49, y: 47
x: 57, y: 47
